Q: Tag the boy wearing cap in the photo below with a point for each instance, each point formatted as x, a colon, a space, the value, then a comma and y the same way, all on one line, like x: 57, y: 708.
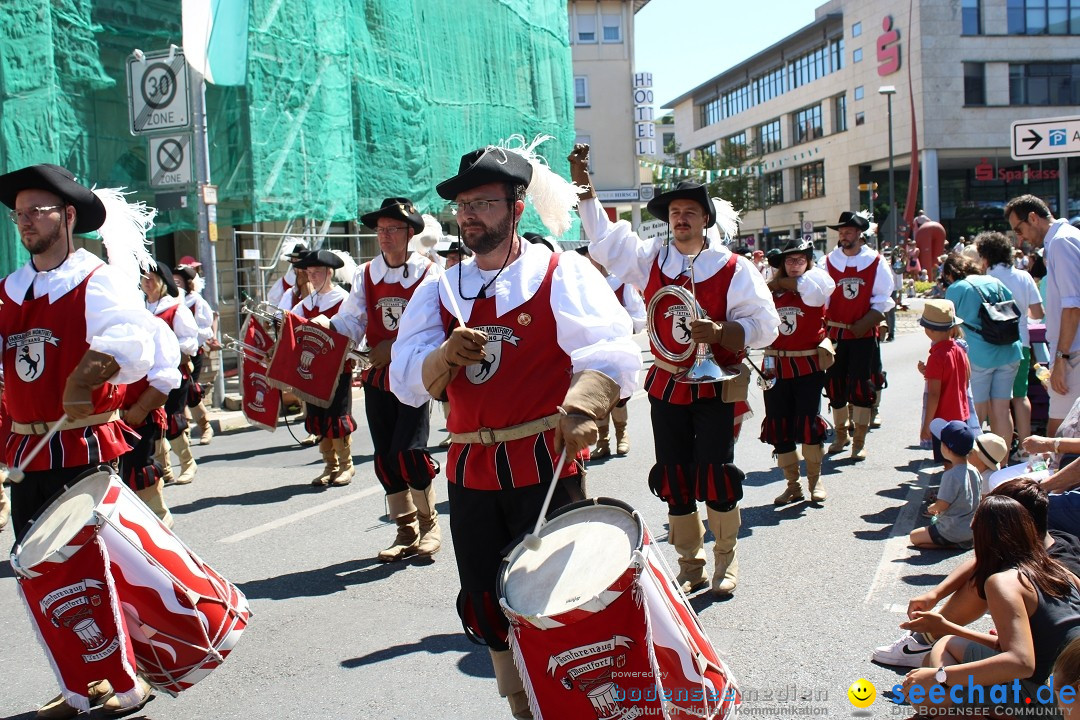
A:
x: 960, y: 491
x: 946, y: 369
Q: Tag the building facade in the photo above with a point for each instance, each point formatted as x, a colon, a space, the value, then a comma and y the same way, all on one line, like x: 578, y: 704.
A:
x: 610, y: 104
x: 811, y: 114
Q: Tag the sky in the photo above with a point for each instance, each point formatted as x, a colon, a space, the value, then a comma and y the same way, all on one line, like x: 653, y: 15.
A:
x: 683, y: 43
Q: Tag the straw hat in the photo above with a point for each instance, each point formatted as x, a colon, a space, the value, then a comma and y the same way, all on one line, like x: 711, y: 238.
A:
x: 991, y: 450
x: 939, y: 315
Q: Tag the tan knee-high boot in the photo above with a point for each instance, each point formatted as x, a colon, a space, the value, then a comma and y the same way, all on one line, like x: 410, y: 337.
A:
x: 725, y: 527
x: 840, y: 420
x: 198, y: 414
x: 330, y: 468
x: 155, y: 500
x: 161, y: 454
x: 603, y: 439
x: 861, y: 417
x: 619, y: 416
x: 814, y: 454
x: 687, y: 534
x: 788, y: 463
x: 428, y: 517
x: 343, y: 449
x: 181, y: 445
x: 508, y: 680
x: 403, y: 512
x: 875, y: 423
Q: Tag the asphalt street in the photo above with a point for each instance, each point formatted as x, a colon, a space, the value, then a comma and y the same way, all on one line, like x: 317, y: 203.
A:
x: 336, y: 634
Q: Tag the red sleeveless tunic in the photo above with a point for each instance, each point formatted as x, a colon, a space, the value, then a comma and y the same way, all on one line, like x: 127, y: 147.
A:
x: 850, y: 300
x: 386, y: 302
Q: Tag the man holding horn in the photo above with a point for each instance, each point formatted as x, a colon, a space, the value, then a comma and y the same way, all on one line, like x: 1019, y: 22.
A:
x: 531, y: 348
x: 694, y: 425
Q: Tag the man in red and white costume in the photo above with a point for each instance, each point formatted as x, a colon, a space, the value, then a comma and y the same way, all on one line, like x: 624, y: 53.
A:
x: 544, y: 353
x: 74, y: 330
x: 163, y: 300
x: 381, y: 291
x: 282, y: 290
x: 187, y: 278
x: 694, y: 429
x: 792, y: 406
x: 863, y: 295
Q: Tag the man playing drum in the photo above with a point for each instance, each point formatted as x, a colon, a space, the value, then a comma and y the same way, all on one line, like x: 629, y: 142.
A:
x: 382, y: 290
x: 73, y: 329
x: 544, y: 353
x: 857, y: 307
x: 694, y: 425
x: 792, y: 405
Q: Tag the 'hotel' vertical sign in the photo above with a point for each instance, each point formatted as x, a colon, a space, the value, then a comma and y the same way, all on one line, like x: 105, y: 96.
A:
x: 644, y: 130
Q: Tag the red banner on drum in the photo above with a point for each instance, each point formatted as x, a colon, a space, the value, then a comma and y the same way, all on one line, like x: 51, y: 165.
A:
x: 260, y: 402
x: 308, y: 360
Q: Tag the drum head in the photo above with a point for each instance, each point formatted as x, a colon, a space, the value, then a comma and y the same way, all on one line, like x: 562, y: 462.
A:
x: 583, y: 552
x: 67, y: 514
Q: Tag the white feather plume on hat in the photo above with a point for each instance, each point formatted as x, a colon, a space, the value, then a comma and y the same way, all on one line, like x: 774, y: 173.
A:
x: 552, y: 195
x: 425, y: 240
x: 124, y: 232
x: 868, y: 216
x: 346, y: 272
x: 198, y: 284
x: 727, y: 218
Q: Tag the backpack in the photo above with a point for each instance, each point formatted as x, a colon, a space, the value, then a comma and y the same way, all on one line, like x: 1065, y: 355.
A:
x: 1000, y: 320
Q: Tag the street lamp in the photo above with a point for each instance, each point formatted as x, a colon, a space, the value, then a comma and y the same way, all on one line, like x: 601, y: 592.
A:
x: 888, y: 91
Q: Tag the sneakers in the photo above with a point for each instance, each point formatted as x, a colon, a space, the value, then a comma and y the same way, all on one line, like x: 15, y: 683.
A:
x: 905, y: 652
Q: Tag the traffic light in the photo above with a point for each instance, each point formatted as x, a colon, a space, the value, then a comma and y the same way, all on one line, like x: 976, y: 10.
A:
x: 867, y: 186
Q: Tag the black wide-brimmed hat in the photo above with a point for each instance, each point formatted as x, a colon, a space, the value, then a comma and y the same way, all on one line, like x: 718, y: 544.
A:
x: 454, y: 247
x: 162, y: 271
x: 483, y: 166
x: 319, y: 258
x: 537, y: 239
x: 395, y: 208
x: 89, y: 210
x: 686, y: 190
x: 794, y: 246
x: 186, y: 271
x: 850, y: 219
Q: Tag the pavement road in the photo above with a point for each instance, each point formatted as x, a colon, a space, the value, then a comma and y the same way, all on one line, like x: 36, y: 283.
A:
x: 336, y: 634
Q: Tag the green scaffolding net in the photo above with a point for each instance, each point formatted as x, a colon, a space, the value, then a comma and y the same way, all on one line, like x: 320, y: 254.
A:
x: 346, y: 101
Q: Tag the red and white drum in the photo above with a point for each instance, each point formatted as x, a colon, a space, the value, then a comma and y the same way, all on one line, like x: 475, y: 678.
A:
x: 599, y: 629
x: 104, y: 579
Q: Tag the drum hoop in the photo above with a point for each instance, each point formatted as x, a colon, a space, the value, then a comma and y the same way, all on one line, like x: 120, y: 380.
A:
x: 683, y: 296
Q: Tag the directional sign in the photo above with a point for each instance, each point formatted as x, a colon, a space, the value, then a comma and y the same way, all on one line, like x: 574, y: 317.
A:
x: 169, y: 160
x: 158, y: 92
x: 1046, y: 138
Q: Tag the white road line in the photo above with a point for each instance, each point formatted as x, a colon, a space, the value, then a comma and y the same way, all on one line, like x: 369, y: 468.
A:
x: 300, y: 515
x: 887, y: 575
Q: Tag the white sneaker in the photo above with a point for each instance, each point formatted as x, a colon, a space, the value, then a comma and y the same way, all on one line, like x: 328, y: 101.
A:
x: 905, y: 652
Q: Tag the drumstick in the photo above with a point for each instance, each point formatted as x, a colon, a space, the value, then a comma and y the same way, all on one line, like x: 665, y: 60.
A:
x: 453, y: 299
x: 16, y: 474
x: 532, y: 540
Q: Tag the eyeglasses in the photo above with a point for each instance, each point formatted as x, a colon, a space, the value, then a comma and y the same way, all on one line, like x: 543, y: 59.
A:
x: 1016, y: 227
x: 388, y: 231
x: 32, y: 214
x: 475, y: 206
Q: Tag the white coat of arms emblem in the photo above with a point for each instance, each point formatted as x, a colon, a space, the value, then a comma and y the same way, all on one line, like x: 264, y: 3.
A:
x: 390, y: 310
x: 484, y: 370
x: 30, y: 352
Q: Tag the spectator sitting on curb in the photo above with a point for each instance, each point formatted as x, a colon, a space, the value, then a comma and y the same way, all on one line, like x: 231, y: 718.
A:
x: 963, y: 605
x: 961, y: 487
x: 986, y: 456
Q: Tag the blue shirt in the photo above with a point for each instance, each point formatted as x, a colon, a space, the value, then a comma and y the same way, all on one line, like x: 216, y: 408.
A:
x: 1061, y: 253
x: 968, y: 301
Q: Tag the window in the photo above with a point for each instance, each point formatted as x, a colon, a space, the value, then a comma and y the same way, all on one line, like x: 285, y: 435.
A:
x: 817, y: 64
x: 735, y: 146
x: 1044, y: 84
x: 710, y: 112
x: 810, y: 180
x: 974, y: 83
x: 859, y: 92
x: 856, y: 30
x: 586, y: 28
x: 840, y: 113
x: 706, y: 154
x: 772, y: 188
x: 856, y: 55
x: 1043, y: 17
x: 768, y: 135
x: 581, y: 91
x: 612, y: 28
x: 806, y: 125
x: 860, y: 118
x: 971, y: 17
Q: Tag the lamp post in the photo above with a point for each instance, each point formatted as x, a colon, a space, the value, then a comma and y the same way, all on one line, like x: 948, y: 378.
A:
x: 888, y: 91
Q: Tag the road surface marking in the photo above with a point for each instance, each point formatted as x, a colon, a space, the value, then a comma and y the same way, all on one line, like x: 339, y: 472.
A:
x: 890, y: 567
x: 300, y: 515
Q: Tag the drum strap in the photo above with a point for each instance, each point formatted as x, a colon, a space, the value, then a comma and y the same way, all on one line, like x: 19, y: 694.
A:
x: 664, y: 365
x: 789, y: 353
x: 42, y: 428
x: 842, y: 326
x: 490, y: 436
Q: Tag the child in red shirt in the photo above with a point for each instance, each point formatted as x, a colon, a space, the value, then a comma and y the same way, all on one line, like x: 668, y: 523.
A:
x: 946, y: 370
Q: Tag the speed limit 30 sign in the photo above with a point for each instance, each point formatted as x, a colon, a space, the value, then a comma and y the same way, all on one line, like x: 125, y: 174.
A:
x: 158, y: 92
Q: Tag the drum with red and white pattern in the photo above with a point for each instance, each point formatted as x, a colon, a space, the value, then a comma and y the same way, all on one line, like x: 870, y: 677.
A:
x: 178, y: 616
x: 599, y: 628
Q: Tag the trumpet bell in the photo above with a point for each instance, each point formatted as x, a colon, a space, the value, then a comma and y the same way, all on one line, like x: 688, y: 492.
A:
x: 706, y: 370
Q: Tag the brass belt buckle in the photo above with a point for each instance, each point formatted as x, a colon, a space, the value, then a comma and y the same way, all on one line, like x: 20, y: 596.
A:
x: 485, y: 441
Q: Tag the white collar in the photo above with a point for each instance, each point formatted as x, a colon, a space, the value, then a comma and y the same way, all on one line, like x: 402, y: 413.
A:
x: 163, y: 303
x: 1052, y: 232
x: 840, y: 261
x: 515, y: 285
x: 380, y: 271
x: 710, y: 260
x: 56, y: 282
x: 324, y: 300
